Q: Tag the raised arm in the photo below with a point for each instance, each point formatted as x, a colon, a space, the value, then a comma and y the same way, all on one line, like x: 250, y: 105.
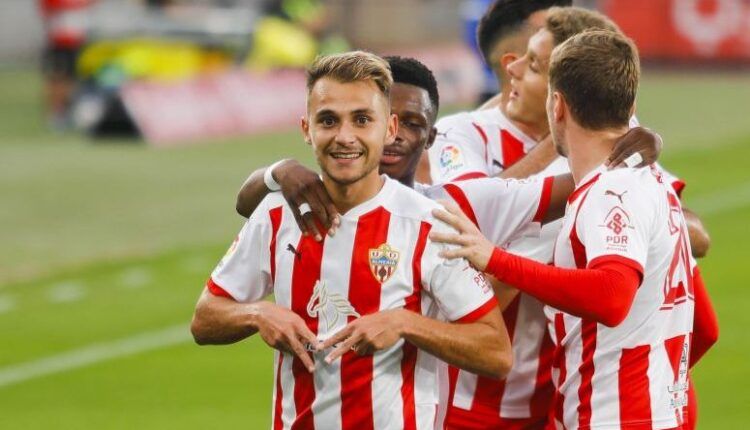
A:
x: 300, y: 186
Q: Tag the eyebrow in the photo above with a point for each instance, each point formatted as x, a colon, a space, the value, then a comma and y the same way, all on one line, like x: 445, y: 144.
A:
x: 361, y: 111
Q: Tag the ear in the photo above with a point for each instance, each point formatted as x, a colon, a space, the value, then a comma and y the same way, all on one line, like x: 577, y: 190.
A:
x: 392, y: 131
x: 431, y: 138
x: 506, y: 59
x: 305, y: 126
x: 559, y: 107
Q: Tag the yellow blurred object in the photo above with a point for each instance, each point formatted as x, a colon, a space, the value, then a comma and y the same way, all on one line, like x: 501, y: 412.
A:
x: 279, y: 43
x: 152, y: 59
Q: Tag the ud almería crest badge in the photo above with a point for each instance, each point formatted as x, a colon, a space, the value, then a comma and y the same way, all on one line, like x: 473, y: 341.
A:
x: 383, y: 262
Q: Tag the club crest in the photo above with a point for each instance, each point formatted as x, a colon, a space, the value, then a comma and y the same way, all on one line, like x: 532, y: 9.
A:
x: 383, y: 262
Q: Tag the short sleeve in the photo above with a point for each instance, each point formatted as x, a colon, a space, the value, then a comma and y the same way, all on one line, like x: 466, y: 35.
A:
x: 462, y: 293
x: 503, y: 209
x: 614, y: 223
x: 677, y: 184
x: 459, y: 151
x: 245, y: 271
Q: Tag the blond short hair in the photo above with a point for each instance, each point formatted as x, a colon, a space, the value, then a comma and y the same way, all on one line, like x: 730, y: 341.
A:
x: 354, y: 66
x: 566, y: 22
x: 597, y: 72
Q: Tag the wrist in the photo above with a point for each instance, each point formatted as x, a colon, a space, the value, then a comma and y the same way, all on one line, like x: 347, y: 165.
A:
x: 270, y: 179
x: 404, y: 322
x: 495, y: 266
x: 255, y: 314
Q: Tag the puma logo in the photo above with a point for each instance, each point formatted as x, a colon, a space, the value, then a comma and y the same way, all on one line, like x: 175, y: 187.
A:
x: 445, y: 133
x: 612, y: 193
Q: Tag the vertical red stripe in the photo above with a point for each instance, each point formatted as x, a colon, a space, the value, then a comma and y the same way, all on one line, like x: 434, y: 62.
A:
x: 305, y: 273
x: 586, y: 370
x: 278, y: 424
x: 511, y: 147
x: 483, y: 135
x: 275, y: 215
x: 559, y: 362
x: 489, y: 392
x: 458, y: 195
x: 632, y: 377
x: 364, y: 295
x: 541, y: 400
x: 544, y: 200
x: 409, y: 359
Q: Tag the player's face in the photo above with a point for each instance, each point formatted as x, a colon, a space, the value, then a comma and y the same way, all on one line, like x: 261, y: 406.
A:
x: 529, y: 79
x: 348, y: 124
x: 416, y: 117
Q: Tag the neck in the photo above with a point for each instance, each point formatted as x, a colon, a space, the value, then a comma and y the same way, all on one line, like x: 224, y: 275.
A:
x: 408, y: 180
x: 535, y: 131
x: 588, y: 149
x: 347, y: 196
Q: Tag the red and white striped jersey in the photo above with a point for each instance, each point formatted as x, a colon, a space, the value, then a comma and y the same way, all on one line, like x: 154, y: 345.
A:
x: 508, y: 213
x: 634, y: 374
x: 380, y: 258
x: 475, y: 144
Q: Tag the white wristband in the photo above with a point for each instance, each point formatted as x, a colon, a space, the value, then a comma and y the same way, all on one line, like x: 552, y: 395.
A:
x: 268, y: 179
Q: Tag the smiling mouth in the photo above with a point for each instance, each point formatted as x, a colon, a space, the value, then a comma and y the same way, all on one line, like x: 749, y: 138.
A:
x: 346, y: 155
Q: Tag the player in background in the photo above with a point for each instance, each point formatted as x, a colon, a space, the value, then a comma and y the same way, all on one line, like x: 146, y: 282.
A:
x: 620, y: 297
x: 353, y: 314
x: 492, y: 140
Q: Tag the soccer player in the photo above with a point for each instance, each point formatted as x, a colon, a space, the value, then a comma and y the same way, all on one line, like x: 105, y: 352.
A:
x: 620, y: 298
x: 353, y: 314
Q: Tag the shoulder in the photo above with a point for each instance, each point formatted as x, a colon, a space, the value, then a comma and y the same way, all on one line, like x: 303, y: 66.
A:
x: 410, y: 203
x: 626, y: 186
x: 272, y: 201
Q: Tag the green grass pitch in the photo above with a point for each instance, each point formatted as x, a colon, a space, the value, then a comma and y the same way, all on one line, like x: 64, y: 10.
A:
x: 105, y: 247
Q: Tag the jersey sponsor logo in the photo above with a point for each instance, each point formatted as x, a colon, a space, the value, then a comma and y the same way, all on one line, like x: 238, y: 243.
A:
x: 383, y: 262
x: 481, y: 280
x: 614, y: 194
x: 451, y: 158
x: 617, y: 222
x: 329, y: 307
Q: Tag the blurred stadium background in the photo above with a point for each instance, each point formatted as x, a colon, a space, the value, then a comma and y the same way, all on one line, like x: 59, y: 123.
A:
x: 117, y: 186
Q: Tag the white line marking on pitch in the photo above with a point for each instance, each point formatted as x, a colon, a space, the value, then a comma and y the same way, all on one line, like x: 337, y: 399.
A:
x: 94, y: 354
x: 66, y: 292
x: 136, y: 277
x: 727, y: 200
x: 6, y: 304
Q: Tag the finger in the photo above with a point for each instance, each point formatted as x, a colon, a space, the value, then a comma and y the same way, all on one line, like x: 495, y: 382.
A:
x: 340, y: 336
x: 450, y: 238
x: 301, y: 353
x: 448, y: 218
x: 311, y: 226
x: 450, y: 254
x: 308, y: 336
x: 342, y: 349
x: 318, y: 209
x: 294, y: 206
x: 327, y: 204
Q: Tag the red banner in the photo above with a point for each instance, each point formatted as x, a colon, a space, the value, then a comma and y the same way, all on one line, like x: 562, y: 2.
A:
x: 702, y: 30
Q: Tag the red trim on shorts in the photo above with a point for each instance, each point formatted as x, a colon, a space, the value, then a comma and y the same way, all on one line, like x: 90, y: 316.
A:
x: 364, y: 295
x: 305, y: 273
x: 479, y: 312
x: 460, y: 198
x: 216, y: 290
x: 544, y: 199
x: 409, y: 359
x: 470, y: 175
x: 635, y: 396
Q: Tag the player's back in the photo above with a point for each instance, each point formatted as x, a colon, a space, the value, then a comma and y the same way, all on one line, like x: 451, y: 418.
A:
x: 634, y: 372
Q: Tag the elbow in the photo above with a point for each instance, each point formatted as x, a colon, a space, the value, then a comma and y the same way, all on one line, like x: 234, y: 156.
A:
x: 197, y: 329
x: 240, y: 207
x: 614, y: 316
x: 699, y: 244
x: 500, y: 365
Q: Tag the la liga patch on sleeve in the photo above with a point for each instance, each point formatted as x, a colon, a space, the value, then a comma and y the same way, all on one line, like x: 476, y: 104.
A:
x: 451, y: 159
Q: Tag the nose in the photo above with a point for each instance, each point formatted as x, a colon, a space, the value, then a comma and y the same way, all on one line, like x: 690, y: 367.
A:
x: 346, y: 134
x: 514, y: 68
